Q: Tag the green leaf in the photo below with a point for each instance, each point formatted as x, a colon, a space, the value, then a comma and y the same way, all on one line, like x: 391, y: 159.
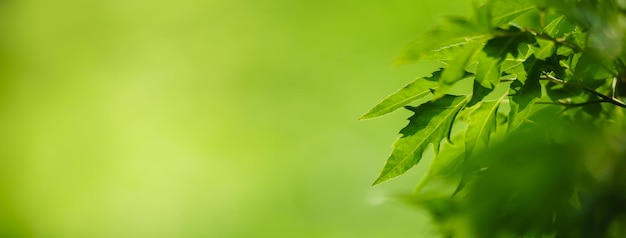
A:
x: 495, y: 52
x: 545, y: 49
x: 504, y: 11
x: 481, y: 126
x: 552, y: 29
x: 431, y: 123
x: 409, y: 93
x: 593, y: 64
x: 456, y: 69
x: 525, y: 90
x: 478, y: 93
x: 445, y: 171
x: 444, y: 53
x: 442, y: 41
x: 488, y: 70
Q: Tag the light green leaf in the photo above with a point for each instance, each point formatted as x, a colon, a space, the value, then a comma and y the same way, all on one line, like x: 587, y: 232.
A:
x: 431, y: 123
x: 553, y: 27
x: 525, y: 90
x: 545, y: 49
x: 442, y: 41
x: 478, y: 93
x: 488, y: 70
x: 456, y: 69
x: 445, y: 53
x: 445, y: 171
x: 481, y: 126
x: 504, y: 11
x: 411, y: 92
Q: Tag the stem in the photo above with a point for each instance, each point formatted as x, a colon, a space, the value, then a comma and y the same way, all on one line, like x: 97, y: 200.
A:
x: 570, y: 105
x: 560, y: 41
x: 604, y: 98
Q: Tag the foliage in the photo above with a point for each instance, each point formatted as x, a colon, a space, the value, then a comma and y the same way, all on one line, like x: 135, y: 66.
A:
x: 537, y: 147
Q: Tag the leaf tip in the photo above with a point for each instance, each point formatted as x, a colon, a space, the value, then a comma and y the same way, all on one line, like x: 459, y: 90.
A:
x: 365, y: 116
x: 379, y: 180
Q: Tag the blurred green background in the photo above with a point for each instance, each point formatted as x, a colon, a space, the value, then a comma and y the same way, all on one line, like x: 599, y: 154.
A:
x: 190, y: 118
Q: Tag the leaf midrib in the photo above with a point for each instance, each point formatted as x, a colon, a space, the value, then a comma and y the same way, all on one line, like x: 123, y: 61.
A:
x: 395, y: 105
x: 405, y: 158
x: 496, y: 19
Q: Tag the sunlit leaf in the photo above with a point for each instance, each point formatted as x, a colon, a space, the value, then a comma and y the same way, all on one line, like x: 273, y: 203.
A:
x: 411, y: 92
x: 503, y: 11
x: 481, y: 126
x: 431, y: 123
x: 553, y: 27
x: 456, y: 69
x: 546, y: 49
x: 442, y: 41
x: 445, y: 53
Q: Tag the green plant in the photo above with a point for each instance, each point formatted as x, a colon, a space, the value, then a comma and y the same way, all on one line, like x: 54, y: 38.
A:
x: 537, y: 146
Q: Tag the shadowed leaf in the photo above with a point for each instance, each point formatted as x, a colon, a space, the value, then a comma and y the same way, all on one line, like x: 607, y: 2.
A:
x: 525, y: 90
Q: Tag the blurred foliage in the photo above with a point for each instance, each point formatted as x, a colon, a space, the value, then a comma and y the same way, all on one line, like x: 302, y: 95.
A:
x: 540, y: 148
x: 196, y: 118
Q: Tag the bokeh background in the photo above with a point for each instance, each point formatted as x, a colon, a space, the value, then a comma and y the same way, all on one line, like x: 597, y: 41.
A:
x: 192, y: 118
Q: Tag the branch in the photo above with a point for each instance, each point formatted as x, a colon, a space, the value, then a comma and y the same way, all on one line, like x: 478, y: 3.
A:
x: 604, y: 98
x: 572, y: 105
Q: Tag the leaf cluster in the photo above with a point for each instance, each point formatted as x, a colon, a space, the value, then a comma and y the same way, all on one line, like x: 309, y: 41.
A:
x: 526, y: 145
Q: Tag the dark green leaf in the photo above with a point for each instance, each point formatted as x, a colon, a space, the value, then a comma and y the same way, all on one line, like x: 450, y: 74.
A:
x: 430, y: 124
x: 478, y: 93
x: 565, y: 93
x: 592, y: 65
x: 525, y: 90
x: 495, y: 52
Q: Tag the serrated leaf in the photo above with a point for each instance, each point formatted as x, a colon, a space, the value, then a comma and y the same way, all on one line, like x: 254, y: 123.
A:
x: 504, y: 11
x: 441, y: 41
x: 409, y: 93
x: 525, y: 90
x: 456, y: 69
x: 444, y: 53
x: 431, y: 123
x: 481, y: 126
x: 478, y: 93
x: 488, y: 71
x: 495, y: 52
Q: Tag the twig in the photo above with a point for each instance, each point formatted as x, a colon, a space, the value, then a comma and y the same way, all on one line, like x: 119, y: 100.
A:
x: 604, y: 98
